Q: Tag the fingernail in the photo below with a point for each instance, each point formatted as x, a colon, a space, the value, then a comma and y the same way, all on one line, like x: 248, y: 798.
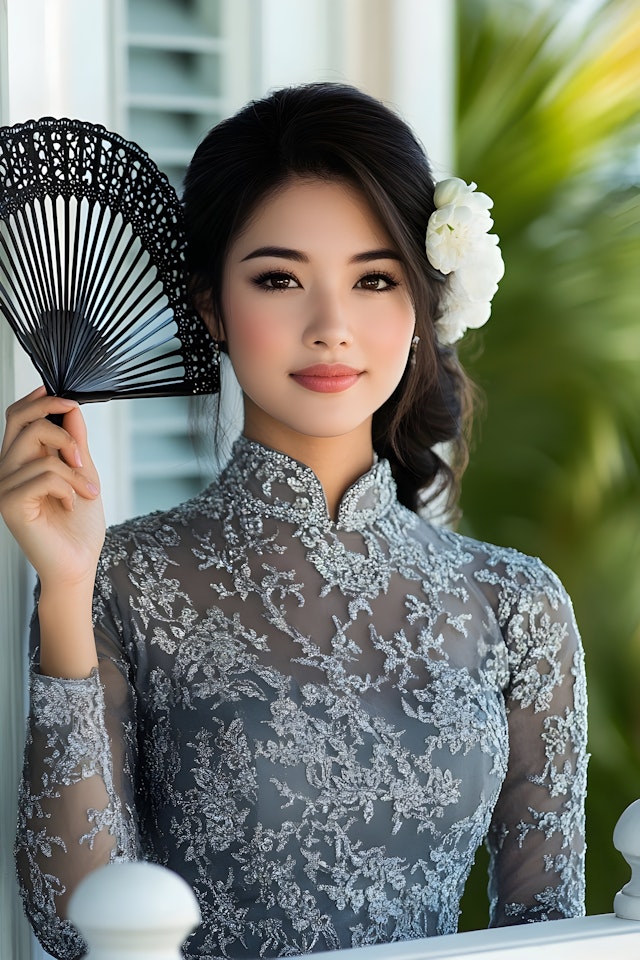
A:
x: 91, y: 487
x: 77, y: 458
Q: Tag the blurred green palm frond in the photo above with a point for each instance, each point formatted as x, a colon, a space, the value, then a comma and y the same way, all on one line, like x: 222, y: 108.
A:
x: 539, y: 100
x: 549, y: 126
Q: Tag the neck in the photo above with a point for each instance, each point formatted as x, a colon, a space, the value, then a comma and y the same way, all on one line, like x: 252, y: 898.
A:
x: 336, y: 461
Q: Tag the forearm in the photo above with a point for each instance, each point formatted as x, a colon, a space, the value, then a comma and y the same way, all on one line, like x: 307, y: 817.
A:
x: 537, y: 839
x: 75, y: 804
x: 67, y: 646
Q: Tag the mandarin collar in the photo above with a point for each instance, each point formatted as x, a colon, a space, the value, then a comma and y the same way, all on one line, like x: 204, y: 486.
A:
x: 270, y: 483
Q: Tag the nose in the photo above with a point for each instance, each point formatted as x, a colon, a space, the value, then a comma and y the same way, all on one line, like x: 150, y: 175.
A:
x: 328, y: 323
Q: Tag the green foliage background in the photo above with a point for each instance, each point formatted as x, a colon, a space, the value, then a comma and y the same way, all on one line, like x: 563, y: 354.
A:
x: 549, y: 126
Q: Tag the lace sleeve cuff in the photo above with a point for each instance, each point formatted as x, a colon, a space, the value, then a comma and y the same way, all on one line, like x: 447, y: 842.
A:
x: 73, y: 817
x: 69, y: 715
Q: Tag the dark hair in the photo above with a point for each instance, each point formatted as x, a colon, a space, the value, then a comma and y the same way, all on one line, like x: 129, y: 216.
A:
x: 335, y: 131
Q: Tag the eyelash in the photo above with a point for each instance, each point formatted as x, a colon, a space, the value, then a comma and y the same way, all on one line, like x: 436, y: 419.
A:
x: 261, y: 280
x: 391, y: 282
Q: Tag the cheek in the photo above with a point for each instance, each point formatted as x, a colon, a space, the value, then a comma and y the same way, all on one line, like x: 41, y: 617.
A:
x: 394, y: 336
x: 251, y: 328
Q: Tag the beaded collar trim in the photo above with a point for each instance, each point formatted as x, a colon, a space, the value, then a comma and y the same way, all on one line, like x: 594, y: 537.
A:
x: 275, y: 485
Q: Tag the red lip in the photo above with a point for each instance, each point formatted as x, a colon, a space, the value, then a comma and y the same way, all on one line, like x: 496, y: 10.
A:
x: 327, y: 370
x: 327, y: 377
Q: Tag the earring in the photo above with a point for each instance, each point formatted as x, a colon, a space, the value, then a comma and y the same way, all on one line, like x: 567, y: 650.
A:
x: 414, y: 350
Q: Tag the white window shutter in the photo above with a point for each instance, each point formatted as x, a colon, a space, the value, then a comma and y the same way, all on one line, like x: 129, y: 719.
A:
x: 174, y: 81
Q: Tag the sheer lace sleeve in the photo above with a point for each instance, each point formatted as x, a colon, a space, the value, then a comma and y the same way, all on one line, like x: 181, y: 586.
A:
x: 536, y: 840
x: 76, y: 800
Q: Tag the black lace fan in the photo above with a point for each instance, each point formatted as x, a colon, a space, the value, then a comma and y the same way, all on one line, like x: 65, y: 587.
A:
x: 92, y: 266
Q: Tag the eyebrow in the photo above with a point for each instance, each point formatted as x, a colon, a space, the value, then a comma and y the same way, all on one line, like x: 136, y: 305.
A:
x: 285, y: 253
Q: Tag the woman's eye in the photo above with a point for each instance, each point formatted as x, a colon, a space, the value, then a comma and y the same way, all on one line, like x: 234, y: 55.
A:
x: 276, y: 281
x: 376, y: 281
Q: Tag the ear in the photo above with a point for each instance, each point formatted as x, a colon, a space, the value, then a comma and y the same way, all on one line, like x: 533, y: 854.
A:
x: 203, y: 302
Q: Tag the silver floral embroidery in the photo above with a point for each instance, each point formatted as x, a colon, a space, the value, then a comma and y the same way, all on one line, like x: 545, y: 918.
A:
x: 316, y: 723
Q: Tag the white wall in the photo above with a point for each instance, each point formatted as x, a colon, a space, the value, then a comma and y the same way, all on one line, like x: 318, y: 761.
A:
x: 14, y: 933
x: 398, y: 50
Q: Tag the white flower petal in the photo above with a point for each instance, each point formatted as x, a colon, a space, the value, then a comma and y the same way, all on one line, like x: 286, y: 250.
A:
x: 450, y: 191
x: 478, y: 277
x: 479, y: 201
x: 459, y: 244
x: 460, y: 315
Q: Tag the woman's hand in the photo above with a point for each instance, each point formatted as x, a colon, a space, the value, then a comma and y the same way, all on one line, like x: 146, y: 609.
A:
x: 50, y: 500
x: 49, y: 490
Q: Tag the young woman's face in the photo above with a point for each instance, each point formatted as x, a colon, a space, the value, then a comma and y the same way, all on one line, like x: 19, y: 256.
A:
x: 317, y: 315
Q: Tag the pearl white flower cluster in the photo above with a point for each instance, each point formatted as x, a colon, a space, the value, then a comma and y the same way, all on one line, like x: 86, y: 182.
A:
x: 459, y: 245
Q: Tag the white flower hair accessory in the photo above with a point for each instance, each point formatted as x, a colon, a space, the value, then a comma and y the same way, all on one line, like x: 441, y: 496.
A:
x: 459, y: 244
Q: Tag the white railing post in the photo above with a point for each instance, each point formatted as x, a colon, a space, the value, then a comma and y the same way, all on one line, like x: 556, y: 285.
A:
x: 130, y: 911
x: 626, y: 839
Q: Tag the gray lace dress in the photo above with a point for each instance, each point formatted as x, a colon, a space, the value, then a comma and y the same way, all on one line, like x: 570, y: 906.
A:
x: 316, y: 723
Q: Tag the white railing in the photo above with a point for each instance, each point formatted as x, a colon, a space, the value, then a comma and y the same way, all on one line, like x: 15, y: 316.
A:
x: 626, y: 839
x: 131, y: 911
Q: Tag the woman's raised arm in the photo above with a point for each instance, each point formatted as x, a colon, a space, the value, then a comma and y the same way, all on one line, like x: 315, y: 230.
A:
x: 49, y: 498
x: 76, y: 802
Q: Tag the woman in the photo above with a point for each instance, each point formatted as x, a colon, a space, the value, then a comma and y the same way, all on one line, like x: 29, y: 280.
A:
x: 297, y: 692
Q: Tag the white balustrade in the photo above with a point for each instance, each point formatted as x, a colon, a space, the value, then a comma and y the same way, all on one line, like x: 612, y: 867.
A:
x: 626, y: 839
x: 131, y: 911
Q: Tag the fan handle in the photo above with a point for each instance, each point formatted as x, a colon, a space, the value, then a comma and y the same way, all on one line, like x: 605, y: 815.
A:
x: 55, y: 418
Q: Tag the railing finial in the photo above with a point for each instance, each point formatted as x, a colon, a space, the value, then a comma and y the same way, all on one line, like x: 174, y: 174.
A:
x: 626, y: 839
x: 127, y: 911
